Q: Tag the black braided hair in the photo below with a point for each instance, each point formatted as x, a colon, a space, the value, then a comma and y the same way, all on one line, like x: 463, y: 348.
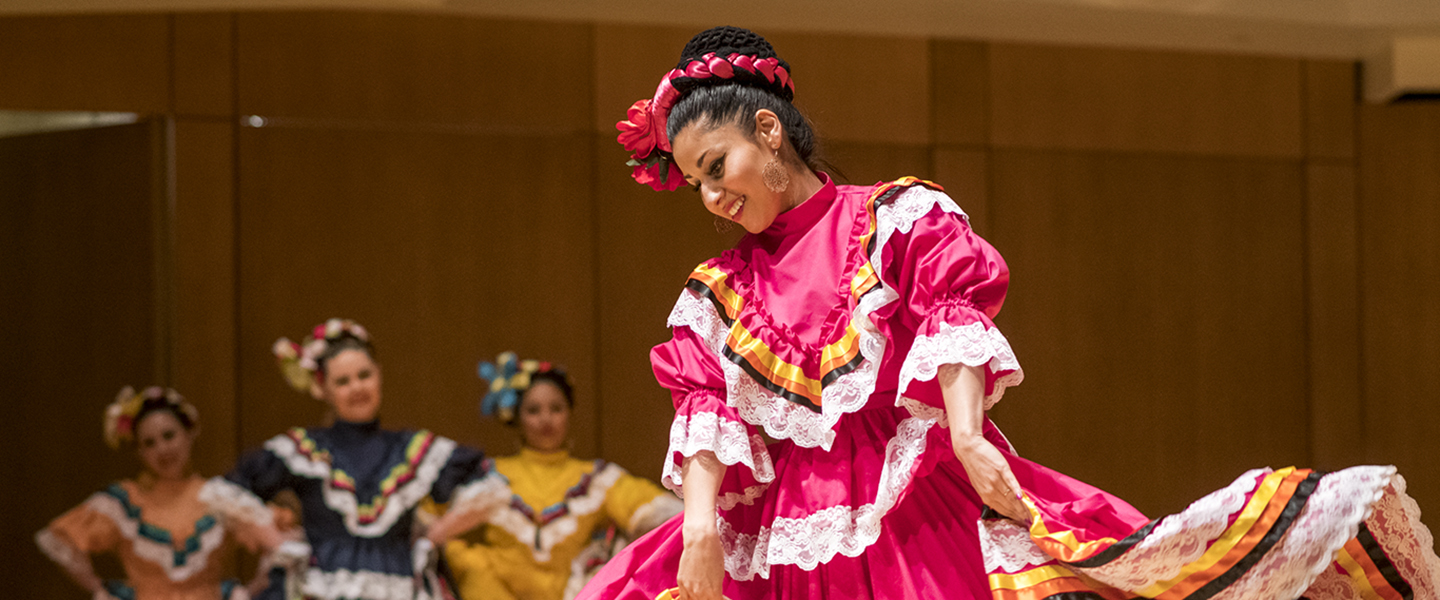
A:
x: 734, y: 101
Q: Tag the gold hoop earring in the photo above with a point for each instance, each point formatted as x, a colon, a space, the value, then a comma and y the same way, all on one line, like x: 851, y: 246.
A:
x: 776, y: 178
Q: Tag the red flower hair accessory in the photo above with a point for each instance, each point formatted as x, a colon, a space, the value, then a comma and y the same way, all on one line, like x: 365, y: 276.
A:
x: 300, y: 364
x: 120, y: 415
x: 643, y: 130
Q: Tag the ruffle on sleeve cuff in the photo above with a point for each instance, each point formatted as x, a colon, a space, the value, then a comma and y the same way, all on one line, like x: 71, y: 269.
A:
x: 234, y: 503
x: 483, y: 494
x: 654, y: 513
x: 958, y: 333
x: 59, y: 550
x: 733, y: 442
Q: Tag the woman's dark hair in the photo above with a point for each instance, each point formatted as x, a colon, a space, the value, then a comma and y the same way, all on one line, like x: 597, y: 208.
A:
x: 154, y: 405
x: 716, y: 101
x: 340, y: 344
x: 554, y: 376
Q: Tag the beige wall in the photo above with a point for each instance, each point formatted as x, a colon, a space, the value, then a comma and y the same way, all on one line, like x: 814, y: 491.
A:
x: 1212, y: 270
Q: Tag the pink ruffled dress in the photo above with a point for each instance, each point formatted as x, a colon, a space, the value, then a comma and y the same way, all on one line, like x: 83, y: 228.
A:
x: 827, y: 330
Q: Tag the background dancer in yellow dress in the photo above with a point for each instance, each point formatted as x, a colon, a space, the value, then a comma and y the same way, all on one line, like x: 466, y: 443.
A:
x: 567, y: 515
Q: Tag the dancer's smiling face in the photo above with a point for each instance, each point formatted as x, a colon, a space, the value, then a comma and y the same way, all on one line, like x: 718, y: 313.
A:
x: 164, y: 443
x: 725, y: 162
x: 351, y: 384
x: 544, y: 417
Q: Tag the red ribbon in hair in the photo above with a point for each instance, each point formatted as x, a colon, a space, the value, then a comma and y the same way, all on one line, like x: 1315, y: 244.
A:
x: 643, y: 130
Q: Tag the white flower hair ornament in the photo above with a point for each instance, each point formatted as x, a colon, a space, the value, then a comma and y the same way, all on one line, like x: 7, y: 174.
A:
x: 300, y: 363
x: 120, y: 415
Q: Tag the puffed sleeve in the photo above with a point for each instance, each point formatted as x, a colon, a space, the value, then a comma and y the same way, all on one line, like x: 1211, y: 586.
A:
x: 703, y: 421
x: 952, y: 284
x: 81, y: 531
x: 639, y: 505
x: 239, y: 496
x: 468, y: 483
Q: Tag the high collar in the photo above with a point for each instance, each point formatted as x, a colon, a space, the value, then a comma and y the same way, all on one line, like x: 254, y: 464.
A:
x: 345, y: 431
x: 555, y: 458
x: 804, y: 216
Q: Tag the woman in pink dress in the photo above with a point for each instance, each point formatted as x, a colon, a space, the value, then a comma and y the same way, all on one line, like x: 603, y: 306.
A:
x: 853, y: 325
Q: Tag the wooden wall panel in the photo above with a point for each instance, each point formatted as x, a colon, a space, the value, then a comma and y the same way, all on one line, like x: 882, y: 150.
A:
x: 629, y: 62
x: 865, y: 164
x: 450, y: 248
x: 1146, y: 101
x: 1400, y: 288
x: 204, y: 76
x: 78, y: 299
x: 647, y: 242
x: 965, y: 175
x: 1331, y: 95
x: 90, y: 62
x: 836, y: 85
x: 1157, y: 305
x: 512, y: 77
x: 1332, y: 279
x: 959, y: 84
x: 203, y: 343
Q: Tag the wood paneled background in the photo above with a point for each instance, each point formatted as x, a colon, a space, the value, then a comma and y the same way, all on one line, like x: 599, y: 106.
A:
x: 1219, y: 262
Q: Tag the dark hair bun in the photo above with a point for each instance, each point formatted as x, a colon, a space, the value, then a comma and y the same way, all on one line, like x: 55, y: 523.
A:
x: 724, y: 41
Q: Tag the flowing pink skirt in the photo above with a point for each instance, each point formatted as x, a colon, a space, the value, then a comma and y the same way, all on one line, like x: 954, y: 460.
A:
x: 1270, y: 535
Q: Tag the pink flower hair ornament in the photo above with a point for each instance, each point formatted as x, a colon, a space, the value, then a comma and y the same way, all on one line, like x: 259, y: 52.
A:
x: 300, y: 363
x: 643, y: 130
x: 120, y: 415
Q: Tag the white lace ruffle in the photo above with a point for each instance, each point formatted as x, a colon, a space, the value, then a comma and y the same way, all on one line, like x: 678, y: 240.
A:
x: 345, y: 502
x: 1408, y: 543
x: 1332, y: 516
x: 344, y: 584
x: 652, y: 514
x: 1178, y: 539
x: 234, y: 503
x: 971, y: 345
x: 484, y: 494
x: 517, y: 524
x: 781, y: 418
x: 816, y: 538
x: 60, y: 551
x: 732, y: 443
x: 1299, y: 564
x: 162, y: 555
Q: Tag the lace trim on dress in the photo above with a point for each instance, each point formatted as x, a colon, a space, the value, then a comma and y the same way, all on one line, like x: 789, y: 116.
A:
x: 543, y: 538
x: 1407, y: 541
x: 781, y: 418
x: 972, y: 345
x: 731, y: 442
x: 1332, y: 516
x: 344, y: 501
x: 483, y: 494
x: 233, y: 502
x: 60, y: 551
x: 343, y: 584
x: 654, y: 513
x: 1299, y: 564
x: 178, y: 565
x: 816, y: 538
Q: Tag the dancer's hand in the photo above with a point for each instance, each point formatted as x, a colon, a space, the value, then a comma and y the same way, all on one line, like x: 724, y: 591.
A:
x: 990, y: 475
x: 702, y: 564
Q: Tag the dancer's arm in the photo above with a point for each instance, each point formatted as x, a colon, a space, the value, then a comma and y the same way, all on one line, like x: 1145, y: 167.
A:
x: 76, y: 563
x: 702, y: 562
x: 964, y: 390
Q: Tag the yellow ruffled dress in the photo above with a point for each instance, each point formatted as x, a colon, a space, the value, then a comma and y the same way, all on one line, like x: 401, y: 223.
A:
x: 560, y: 525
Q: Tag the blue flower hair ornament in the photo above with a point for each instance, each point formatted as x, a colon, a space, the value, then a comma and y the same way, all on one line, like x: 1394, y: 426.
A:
x: 509, y: 377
